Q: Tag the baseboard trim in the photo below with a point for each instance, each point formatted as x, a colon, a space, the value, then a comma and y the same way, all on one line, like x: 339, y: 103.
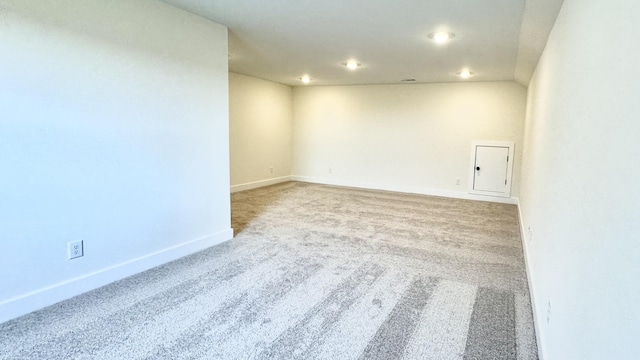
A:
x: 259, y: 184
x: 405, y: 189
x: 50, y: 295
x: 534, y: 308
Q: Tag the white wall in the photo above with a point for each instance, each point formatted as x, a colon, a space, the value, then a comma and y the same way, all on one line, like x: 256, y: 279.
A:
x: 414, y: 138
x: 114, y: 130
x: 260, y: 121
x: 580, y: 177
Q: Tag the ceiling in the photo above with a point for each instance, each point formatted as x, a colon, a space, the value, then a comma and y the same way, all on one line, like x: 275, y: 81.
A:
x: 281, y: 40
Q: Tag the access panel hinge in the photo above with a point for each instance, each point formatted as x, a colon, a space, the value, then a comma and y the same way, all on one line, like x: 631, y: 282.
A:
x: 507, y: 158
x: 505, y: 181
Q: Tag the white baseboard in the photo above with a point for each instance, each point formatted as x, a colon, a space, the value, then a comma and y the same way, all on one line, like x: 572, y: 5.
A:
x: 259, y: 184
x: 50, y: 295
x: 406, y: 189
x: 534, y: 308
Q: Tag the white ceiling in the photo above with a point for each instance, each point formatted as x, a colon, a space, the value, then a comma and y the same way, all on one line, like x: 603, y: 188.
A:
x: 280, y: 40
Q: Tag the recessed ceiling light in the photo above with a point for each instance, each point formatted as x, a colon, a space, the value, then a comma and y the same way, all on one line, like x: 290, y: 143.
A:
x: 305, y: 79
x: 465, y: 74
x: 352, y: 64
x: 441, y: 37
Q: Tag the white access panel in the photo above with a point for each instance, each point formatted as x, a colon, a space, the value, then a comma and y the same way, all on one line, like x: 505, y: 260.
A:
x: 491, y: 168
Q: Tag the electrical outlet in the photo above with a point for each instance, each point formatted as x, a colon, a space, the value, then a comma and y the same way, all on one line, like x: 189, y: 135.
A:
x: 457, y: 181
x: 76, y: 249
x: 529, y: 233
x: 271, y: 169
x: 330, y: 171
x: 548, y: 311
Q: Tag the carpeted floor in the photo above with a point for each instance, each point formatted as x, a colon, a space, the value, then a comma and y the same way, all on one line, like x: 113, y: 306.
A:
x: 314, y: 272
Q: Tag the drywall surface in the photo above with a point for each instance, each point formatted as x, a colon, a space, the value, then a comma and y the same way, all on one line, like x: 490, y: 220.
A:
x: 414, y: 138
x: 260, y: 123
x: 114, y: 130
x: 580, y: 176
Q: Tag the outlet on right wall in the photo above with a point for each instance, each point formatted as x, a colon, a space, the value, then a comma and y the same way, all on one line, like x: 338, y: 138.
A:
x: 579, y: 188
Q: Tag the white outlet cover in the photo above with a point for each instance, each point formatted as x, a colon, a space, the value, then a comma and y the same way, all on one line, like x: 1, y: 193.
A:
x: 76, y: 249
x: 548, y: 311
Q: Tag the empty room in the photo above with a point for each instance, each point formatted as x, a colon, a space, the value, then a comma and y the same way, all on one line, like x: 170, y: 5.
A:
x: 413, y: 179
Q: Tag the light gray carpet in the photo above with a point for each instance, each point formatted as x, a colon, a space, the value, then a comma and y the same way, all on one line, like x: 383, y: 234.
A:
x: 315, y: 272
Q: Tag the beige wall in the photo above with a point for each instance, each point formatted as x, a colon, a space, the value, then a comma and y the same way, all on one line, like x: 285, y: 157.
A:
x: 580, y: 192
x: 413, y: 138
x: 260, y: 120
